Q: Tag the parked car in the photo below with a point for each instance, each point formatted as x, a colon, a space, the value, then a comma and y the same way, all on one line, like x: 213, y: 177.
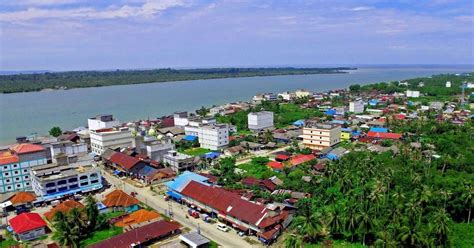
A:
x: 22, y: 210
x: 222, y: 227
x: 241, y: 234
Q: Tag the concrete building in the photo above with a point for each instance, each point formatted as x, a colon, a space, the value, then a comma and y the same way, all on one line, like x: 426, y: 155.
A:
x: 110, y: 138
x: 318, y: 136
x: 287, y: 96
x: 179, y: 161
x: 67, y: 148
x: 158, y: 149
x: 102, y: 121
x: 412, y: 93
x: 53, y: 181
x: 302, y: 93
x: 15, y: 164
x: 448, y: 84
x: 356, y: 107
x: 258, y: 121
x: 181, y: 119
x: 211, y: 136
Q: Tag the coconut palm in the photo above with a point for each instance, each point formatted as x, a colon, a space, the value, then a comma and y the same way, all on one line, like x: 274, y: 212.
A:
x: 468, y: 200
x: 440, y: 226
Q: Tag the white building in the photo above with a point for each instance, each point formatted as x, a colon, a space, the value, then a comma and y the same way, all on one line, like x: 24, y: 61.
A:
x: 470, y: 85
x: 412, y: 93
x: 448, y: 84
x: 356, y: 107
x: 181, y: 119
x: 102, y: 121
x: 258, y: 121
x: 67, y: 148
x: 110, y: 138
x: 318, y: 136
x: 287, y: 96
x: 53, y: 181
x: 179, y: 161
x: 302, y: 93
x: 211, y: 136
x: 157, y: 150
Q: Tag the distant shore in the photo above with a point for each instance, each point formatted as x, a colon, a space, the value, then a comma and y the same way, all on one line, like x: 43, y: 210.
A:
x: 48, y: 81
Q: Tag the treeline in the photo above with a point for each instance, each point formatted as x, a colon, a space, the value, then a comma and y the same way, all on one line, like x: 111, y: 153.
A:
x: 81, y: 79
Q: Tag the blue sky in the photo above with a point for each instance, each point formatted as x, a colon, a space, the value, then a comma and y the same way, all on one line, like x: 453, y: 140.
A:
x: 124, y: 34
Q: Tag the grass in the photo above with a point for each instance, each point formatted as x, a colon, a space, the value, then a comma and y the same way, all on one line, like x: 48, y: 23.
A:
x: 8, y: 241
x: 100, y: 235
x: 196, y: 151
x: 111, y: 215
x: 213, y: 244
x: 257, y: 171
x: 461, y: 235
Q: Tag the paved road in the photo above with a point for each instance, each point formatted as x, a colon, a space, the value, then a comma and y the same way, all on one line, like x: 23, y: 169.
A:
x: 229, y: 239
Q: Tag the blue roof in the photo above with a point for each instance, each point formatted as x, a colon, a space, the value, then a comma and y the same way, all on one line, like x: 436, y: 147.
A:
x: 373, y: 102
x: 330, y: 112
x: 356, y: 133
x: 346, y: 129
x: 147, y: 171
x: 379, y: 129
x: 182, y: 180
x: 173, y: 194
x: 212, y: 155
x: 299, y: 123
x: 190, y: 138
x: 332, y: 156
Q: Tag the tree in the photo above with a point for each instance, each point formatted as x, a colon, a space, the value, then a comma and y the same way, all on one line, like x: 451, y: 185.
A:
x: 203, y: 111
x: 354, y: 88
x: 55, y: 131
x: 440, y: 226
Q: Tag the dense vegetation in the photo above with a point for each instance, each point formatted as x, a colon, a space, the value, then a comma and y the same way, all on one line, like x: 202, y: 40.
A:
x: 81, y: 79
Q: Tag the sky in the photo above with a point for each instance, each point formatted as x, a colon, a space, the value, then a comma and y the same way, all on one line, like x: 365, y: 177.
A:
x: 136, y: 34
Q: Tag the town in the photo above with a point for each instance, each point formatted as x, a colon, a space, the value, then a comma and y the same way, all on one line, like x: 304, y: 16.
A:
x: 376, y: 164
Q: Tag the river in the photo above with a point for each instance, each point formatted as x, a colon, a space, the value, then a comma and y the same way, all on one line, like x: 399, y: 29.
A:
x: 24, y: 114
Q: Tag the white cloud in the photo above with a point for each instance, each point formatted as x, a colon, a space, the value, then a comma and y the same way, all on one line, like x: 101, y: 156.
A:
x: 148, y: 9
x: 42, y: 2
x: 362, y: 8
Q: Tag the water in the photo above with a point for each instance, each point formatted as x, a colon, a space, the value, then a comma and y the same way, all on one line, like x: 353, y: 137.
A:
x: 23, y: 114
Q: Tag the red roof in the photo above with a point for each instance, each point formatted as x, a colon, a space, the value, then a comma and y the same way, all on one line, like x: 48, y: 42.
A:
x: 8, y: 158
x: 22, y: 198
x: 63, y: 207
x: 123, y: 160
x: 301, y: 158
x: 400, y: 116
x: 155, y: 230
x: 227, y: 203
x: 27, y: 222
x: 384, y: 135
x: 282, y: 157
x: 275, y: 165
x: 26, y: 148
x: 118, y: 198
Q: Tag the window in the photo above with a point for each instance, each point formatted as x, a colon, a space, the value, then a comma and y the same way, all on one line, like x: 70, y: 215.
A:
x: 83, y: 177
x: 93, y: 175
x: 71, y: 180
x: 62, y: 189
x: 94, y: 181
x: 73, y: 186
x: 8, y: 180
x: 18, y: 185
x: 84, y: 184
x: 15, y: 172
x: 51, y: 191
x: 7, y: 174
x: 15, y: 165
x: 62, y: 182
x: 25, y: 170
x: 26, y: 177
x: 27, y: 184
x: 17, y: 179
x: 5, y: 167
x: 9, y: 187
x: 50, y: 184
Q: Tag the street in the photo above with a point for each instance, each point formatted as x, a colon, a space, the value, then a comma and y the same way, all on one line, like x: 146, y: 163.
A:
x: 225, y: 239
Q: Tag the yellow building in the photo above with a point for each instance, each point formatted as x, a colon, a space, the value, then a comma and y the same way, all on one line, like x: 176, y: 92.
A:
x: 318, y: 136
x: 345, y: 135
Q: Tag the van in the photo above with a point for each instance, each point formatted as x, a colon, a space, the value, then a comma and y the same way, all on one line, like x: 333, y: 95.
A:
x: 222, y: 227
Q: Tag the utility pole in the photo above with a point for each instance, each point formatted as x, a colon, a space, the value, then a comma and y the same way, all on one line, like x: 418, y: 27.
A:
x: 170, y: 208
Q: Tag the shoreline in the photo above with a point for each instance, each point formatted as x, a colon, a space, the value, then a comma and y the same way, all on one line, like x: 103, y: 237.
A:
x: 210, y: 76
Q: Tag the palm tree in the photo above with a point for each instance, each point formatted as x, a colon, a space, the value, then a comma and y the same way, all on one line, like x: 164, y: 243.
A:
x: 412, y: 236
x: 468, y: 200
x: 268, y: 136
x: 440, y: 226
x: 366, y: 222
x: 293, y: 241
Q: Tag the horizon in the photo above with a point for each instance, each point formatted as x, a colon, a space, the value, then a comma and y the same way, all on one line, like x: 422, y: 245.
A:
x: 69, y: 35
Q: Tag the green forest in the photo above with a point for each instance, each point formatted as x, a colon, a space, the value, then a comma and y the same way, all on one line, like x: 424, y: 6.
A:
x: 82, y: 79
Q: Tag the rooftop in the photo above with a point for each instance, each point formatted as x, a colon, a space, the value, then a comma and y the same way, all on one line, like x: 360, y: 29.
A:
x: 24, y: 148
x: 22, y: 198
x: 27, y: 222
x: 8, y: 158
x: 63, y: 207
x: 118, y: 198
x: 138, y: 217
x: 53, y: 171
x: 318, y: 125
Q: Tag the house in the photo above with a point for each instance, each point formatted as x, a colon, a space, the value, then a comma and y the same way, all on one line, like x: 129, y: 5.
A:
x: 381, y: 135
x: 266, y: 184
x: 211, y: 136
x: 287, y: 96
x: 156, y: 150
x: 302, y: 93
x: 276, y: 166
x: 138, y: 218
x: 28, y: 226
x: 346, y: 133
x: 177, y: 184
x: 233, y: 151
x: 63, y: 207
x: 118, y: 200
x: 194, y: 240
x: 68, y: 148
x: 318, y: 136
x: 356, y: 107
x: 252, y: 146
x: 141, y: 236
x: 301, y: 158
x: 258, y: 121
x: 23, y: 199
x: 378, y: 129
x: 412, y: 93
x: 126, y: 164
x: 336, y: 153
x: 15, y: 164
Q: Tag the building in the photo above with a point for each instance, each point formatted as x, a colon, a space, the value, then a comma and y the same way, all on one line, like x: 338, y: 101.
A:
x: 181, y: 119
x: 158, y: 149
x: 102, y: 122
x: 179, y: 161
x: 258, y: 121
x: 448, y: 84
x: 15, y: 164
x: 302, y: 93
x: 356, y: 107
x: 28, y: 226
x: 138, y: 218
x: 63, y: 207
x: 210, y: 135
x: 118, y: 137
x: 54, y: 181
x: 318, y: 136
x: 142, y: 236
x: 413, y: 93
x: 194, y: 240
x: 67, y: 148
x: 287, y: 96
x: 118, y: 200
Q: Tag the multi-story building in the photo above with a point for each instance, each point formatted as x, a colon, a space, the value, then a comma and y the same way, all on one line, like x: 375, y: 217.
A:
x: 179, y: 161
x: 302, y: 93
x: 318, y: 136
x: 356, y: 107
x: 118, y: 137
x: 158, y: 149
x: 258, y: 121
x: 102, y: 121
x: 181, y: 119
x: 211, y: 136
x: 15, y: 164
x: 53, y: 181
x: 67, y: 148
x: 412, y: 93
x: 287, y: 96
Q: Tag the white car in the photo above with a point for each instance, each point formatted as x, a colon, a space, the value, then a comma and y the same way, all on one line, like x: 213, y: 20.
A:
x: 223, y: 227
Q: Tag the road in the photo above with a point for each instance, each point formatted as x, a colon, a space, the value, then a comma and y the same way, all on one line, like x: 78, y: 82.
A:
x: 155, y: 201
